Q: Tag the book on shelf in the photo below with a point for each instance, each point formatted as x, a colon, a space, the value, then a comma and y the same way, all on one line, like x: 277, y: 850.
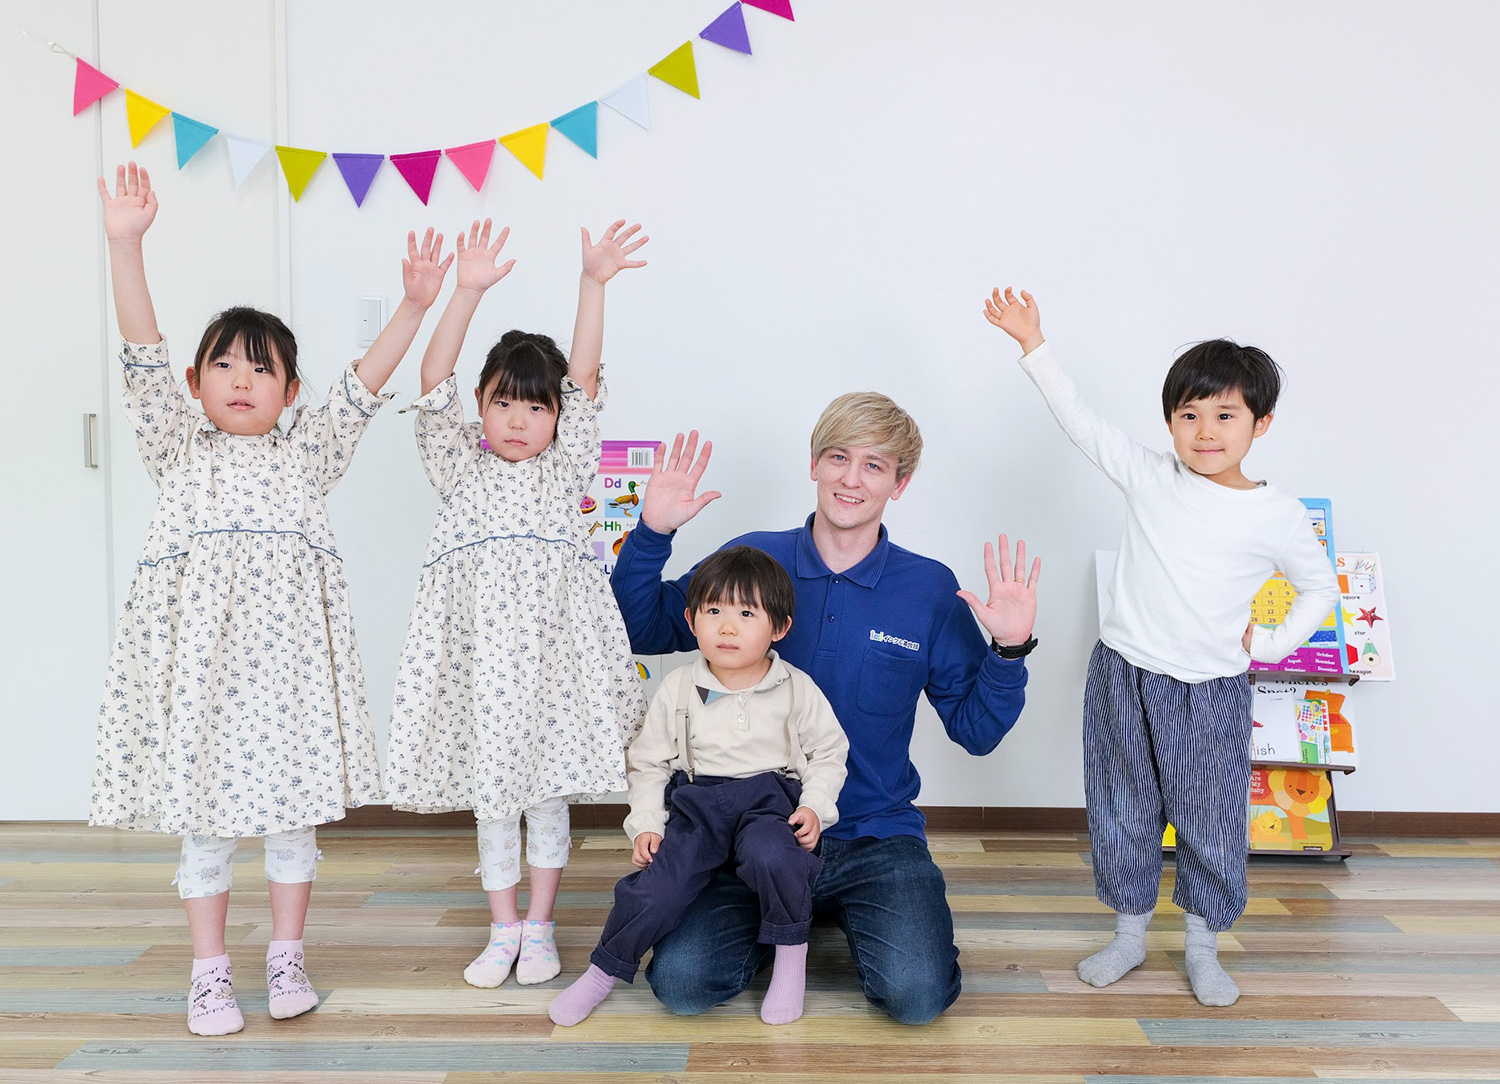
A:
x: 1366, y: 624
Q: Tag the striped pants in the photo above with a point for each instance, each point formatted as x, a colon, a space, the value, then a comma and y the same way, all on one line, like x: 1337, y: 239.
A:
x: 1155, y: 750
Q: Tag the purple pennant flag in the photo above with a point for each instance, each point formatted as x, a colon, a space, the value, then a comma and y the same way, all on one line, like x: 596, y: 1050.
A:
x: 418, y: 168
x: 358, y: 170
x: 729, y: 30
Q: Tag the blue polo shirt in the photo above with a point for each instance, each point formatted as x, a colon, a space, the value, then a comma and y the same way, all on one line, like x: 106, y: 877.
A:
x: 873, y: 637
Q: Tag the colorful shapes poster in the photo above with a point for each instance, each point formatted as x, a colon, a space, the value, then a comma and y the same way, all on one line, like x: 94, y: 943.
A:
x: 1366, y: 625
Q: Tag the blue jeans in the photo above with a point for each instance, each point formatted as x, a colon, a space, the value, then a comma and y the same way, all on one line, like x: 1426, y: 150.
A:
x: 887, y: 895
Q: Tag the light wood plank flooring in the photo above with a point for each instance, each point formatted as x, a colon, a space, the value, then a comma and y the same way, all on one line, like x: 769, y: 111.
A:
x: 1383, y: 968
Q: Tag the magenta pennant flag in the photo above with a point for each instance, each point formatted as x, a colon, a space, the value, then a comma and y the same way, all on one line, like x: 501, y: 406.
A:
x: 89, y: 85
x: 418, y: 168
x: 729, y: 30
x: 473, y: 161
x: 359, y: 171
x: 775, y: 7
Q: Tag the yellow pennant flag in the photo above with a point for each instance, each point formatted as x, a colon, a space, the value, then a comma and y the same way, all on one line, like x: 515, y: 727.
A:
x: 678, y: 70
x: 529, y: 145
x: 299, y: 165
x: 143, y: 115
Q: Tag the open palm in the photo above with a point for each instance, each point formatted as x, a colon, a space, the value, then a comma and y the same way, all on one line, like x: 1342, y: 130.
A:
x: 602, y: 261
x: 476, y: 257
x: 1010, y: 612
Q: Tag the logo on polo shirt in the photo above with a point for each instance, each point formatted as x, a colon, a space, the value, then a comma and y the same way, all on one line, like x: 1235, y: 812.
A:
x: 887, y: 638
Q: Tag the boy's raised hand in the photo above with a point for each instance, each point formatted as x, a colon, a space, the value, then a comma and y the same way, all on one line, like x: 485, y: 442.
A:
x: 421, y: 273
x: 644, y: 851
x: 1020, y: 319
x: 128, y: 214
x: 806, y: 827
x: 1010, y: 613
x: 476, y: 258
x: 602, y: 261
x: 672, y: 496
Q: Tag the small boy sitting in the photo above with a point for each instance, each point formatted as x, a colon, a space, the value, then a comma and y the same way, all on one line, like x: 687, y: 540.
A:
x: 1166, y: 712
x: 741, y: 760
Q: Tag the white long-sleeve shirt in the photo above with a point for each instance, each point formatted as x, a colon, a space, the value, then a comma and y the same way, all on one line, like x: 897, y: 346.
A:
x: 784, y: 723
x: 1194, y: 553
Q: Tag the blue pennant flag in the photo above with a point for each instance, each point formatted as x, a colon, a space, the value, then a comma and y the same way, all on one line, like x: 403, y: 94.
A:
x: 191, y: 136
x: 581, y: 126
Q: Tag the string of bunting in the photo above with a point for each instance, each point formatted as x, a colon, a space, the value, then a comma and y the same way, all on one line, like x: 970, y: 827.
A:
x: 418, y: 168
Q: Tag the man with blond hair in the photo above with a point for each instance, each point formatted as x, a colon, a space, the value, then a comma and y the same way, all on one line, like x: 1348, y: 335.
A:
x: 875, y: 625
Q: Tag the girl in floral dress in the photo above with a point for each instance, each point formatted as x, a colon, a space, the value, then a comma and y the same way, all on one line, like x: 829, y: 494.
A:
x: 516, y: 691
x: 234, y: 703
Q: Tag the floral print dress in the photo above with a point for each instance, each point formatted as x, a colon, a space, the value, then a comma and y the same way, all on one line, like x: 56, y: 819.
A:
x: 234, y: 702
x: 516, y: 683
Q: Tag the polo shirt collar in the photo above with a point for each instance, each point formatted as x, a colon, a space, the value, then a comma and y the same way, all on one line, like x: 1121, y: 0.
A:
x: 709, y: 689
x: 810, y: 564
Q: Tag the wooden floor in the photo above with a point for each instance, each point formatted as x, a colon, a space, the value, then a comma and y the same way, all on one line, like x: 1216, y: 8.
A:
x: 1385, y: 967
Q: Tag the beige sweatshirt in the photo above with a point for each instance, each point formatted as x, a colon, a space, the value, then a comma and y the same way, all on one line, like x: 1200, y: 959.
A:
x: 783, y: 723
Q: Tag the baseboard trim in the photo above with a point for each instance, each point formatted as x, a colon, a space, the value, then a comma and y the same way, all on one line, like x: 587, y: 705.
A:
x: 981, y: 819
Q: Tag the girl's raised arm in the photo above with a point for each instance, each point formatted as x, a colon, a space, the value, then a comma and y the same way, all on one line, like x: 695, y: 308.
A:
x: 477, y: 272
x: 601, y: 263
x: 128, y: 214
x: 422, y: 278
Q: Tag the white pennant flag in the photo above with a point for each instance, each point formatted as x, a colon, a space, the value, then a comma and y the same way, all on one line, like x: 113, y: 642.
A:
x: 630, y: 101
x: 244, y: 155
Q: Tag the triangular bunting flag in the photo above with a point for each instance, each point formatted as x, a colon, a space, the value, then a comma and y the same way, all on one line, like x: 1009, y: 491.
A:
x: 191, y: 135
x: 677, y: 69
x: 529, y: 145
x: 299, y: 164
x: 473, y: 161
x: 143, y: 115
x: 729, y: 30
x: 418, y: 168
x: 89, y: 85
x: 581, y: 126
x: 630, y: 101
x: 775, y: 7
x: 358, y: 170
x: 244, y: 155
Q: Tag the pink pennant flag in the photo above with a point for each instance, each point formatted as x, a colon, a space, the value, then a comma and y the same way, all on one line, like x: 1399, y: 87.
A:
x: 473, y: 161
x: 418, y: 168
x: 775, y: 7
x: 89, y: 85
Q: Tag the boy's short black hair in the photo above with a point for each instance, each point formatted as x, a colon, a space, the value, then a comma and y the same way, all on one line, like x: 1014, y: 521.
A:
x: 262, y: 336
x: 744, y: 575
x: 1221, y: 365
x: 524, y: 367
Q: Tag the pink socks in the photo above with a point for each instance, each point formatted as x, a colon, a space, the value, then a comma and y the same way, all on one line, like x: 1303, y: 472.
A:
x: 291, y: 993
x: 212, y: 1009
x: 783, y: 1002
x: 574, y: 1004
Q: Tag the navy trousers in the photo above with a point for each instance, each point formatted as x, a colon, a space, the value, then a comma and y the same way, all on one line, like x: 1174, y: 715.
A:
x: 1156, y: 749
x: 712, y: 821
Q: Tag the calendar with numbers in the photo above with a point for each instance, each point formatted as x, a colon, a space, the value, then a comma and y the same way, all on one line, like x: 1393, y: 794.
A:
x: 1323, y: 653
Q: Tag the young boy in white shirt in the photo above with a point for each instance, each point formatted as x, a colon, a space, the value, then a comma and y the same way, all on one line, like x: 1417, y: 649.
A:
x: 1166, y: 717
x: 741, y: 759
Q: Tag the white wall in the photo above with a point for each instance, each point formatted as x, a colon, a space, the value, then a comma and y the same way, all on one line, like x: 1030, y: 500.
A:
x: 1316, y: 179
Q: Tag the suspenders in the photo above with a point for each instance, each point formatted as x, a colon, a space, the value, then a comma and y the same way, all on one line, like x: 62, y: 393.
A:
x: 684, y: 723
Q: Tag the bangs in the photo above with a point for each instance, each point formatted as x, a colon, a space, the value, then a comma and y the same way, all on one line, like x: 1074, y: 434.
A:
x: 263, y: 338
x: 529, y: 377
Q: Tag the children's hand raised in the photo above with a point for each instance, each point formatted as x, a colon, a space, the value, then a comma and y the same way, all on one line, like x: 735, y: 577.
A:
x: 644, y: 851
x: 1010, y: 613
x: 806, y: 827
x: 672, y: 496
x: 602, y: 261
x: 421, y: 273
x: 1021, y: 320
x: 128, y: 214
x: 476, y: 259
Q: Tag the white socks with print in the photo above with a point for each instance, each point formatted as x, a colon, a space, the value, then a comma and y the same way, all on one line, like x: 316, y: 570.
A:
x: 492, y: 965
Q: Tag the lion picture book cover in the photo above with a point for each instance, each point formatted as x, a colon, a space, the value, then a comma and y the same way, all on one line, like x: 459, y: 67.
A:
x: 1289, y: 810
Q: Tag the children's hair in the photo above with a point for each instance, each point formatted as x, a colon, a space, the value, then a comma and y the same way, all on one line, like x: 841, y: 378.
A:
x: 524, y: 367
x: 744, y: 575
x: 1219, y: 365
x: 261, y: 335
x: 867, y: 419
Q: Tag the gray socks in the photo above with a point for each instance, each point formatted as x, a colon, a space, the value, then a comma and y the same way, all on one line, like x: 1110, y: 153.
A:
x: 1211, y: 985
x: 1125, y: 953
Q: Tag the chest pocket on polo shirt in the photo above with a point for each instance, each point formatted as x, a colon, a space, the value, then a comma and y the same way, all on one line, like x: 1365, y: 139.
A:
x: 889, y: 681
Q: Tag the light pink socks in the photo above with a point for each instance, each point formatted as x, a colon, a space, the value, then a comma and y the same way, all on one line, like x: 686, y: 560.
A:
x: 492, y: 965
x: 212, y: 1009
x: 574, y: 1004
x: 291, y: 992
x: 783, y: 1002
x: 538, y: 961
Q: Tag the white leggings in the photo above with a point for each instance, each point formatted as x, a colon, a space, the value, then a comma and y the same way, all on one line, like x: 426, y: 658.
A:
x: 207, y: 864
x: 547, y: 843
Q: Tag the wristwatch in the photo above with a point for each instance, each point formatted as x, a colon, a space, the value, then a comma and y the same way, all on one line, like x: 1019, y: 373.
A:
x: 1013, y: 651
